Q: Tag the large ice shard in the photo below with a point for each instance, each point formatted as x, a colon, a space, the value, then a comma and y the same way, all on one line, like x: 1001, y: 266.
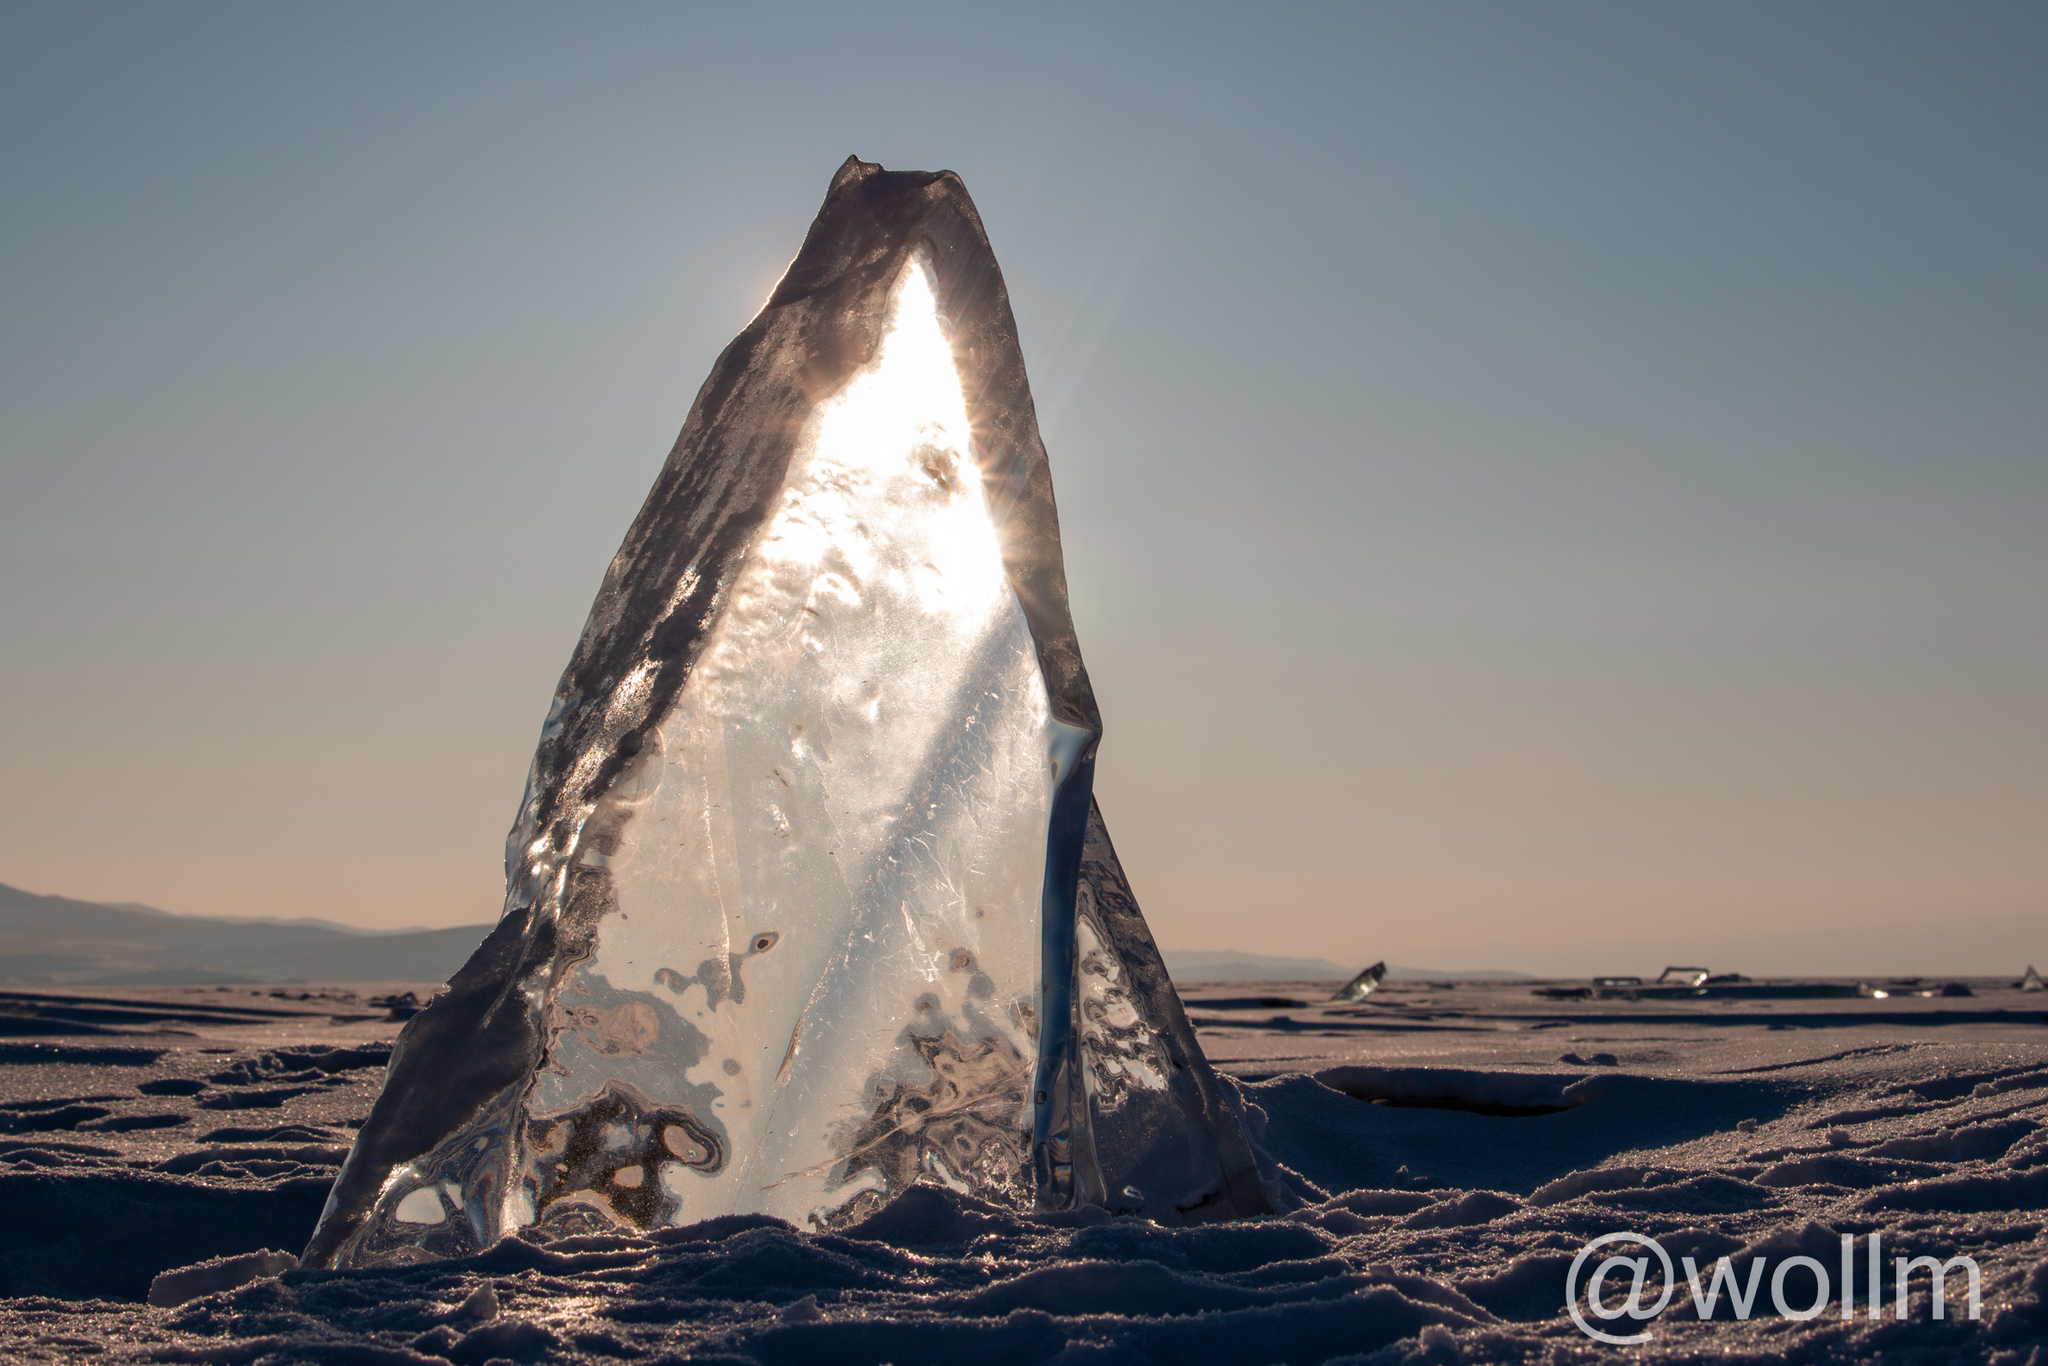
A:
x: 808, y: 900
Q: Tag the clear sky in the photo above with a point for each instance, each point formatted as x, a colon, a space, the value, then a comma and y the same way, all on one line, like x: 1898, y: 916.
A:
x: 1546, y: 486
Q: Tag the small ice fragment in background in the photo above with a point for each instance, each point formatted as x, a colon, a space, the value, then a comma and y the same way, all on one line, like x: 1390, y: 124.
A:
x: 1910, y: 986
x: 2032, y: 981
x: 1683, y: 977
x: 1363, y: 985
x: 401, y: 1007
x: 173, y: 1288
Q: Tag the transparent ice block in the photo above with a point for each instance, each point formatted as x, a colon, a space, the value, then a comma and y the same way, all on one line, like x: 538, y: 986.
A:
x: 808, y: 901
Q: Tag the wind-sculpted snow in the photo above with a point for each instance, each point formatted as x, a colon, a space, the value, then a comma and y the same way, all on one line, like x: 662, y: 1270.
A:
x: 1434, y: 1213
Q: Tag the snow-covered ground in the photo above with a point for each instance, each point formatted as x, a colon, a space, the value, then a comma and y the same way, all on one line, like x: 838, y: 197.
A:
x: 1452, y: 1149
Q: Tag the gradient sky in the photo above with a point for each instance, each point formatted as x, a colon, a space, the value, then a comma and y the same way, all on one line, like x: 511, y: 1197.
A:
x: 1555, y: 487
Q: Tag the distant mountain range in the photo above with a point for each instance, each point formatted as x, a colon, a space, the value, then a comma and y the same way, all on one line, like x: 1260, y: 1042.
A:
x: 1257, y: 967
x: 55, y: 941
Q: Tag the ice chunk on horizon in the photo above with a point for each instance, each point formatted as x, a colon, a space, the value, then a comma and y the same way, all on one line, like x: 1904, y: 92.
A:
x: 1363, y: 985
x: 808, y: 900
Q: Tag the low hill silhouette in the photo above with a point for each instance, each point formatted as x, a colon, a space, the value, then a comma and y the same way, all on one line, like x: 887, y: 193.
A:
x: 56, y: 941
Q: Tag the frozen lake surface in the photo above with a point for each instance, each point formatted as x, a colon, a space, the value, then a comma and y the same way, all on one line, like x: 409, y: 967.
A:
x: 1452, y: 1148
